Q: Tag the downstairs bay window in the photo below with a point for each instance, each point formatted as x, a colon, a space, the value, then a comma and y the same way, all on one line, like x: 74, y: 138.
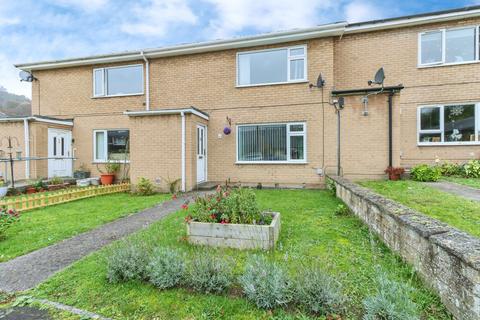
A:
x: 272, y: 143
x: 111, y: 145
x: 451, y: 124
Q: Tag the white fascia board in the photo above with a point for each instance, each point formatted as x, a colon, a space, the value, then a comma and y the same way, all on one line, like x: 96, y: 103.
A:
x: 52, y: 121
x: 334, y: 29
x: 165, y: 112
x: 412, y: 21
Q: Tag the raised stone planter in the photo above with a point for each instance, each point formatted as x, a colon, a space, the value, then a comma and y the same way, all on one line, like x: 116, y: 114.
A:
x: 238, y: 236
x: 446, y: 258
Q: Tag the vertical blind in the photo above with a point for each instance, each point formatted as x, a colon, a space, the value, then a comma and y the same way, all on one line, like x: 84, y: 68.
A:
x: 262, y: 143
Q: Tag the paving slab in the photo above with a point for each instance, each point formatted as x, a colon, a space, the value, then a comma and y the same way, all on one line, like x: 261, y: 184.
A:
x: 27, y: 271
x: 24, y: 313
x: 456, y: 189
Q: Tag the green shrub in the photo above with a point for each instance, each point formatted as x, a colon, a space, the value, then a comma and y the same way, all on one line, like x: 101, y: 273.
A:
x: 472, y: 169
x: 210, y: 274
x: 331, y: 186
x: 145, y: 187
x: 166, y: 268
x: 342, y: 210
x: 318, y: 292
x: 266, y: 283
x: 127, y: 262
x: 55, y: 181
x: 392, y: 301
x: 451, y: 169
x: 426, y: 173
x: 7, y: 218
x: 229, y: 206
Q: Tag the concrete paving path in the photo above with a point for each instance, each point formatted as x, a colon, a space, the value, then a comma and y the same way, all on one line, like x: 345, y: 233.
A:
x: 457, y: 189
x: 24, y: 313
x: 26, y: 272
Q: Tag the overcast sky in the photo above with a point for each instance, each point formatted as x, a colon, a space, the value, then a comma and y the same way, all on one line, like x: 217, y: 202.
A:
x: 37, y: 30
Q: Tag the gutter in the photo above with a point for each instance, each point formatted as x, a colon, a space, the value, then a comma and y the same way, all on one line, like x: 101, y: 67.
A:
x: 328, y: 30
x: 167, y: 112
x: 353, y: 92
x: 147, y: 81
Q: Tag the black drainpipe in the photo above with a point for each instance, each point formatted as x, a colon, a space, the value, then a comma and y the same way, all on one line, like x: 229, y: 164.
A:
x: 390, y: 130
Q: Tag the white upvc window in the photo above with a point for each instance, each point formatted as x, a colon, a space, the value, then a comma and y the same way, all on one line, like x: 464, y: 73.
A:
x: 449, y: 124
x: 118, y: 81
x: 111, y: 145
x: 272, y: 143
x: 272, y: 66
x: 448, y: 46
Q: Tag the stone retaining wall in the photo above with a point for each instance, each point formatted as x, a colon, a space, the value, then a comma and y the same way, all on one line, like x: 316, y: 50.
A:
x: 446, y: 258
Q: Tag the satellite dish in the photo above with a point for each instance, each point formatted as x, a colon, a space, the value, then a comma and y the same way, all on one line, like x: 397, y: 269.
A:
x: 26, y: 76
x: 379, y: 77
x: 320, y: 81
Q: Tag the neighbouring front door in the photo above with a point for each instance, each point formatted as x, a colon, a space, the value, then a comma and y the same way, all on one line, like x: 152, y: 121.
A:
x: 59, y: 149
x: 201, y: 153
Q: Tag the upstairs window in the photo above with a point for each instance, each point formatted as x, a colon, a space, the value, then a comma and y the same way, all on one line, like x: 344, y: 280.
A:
x: 111, y: 145
x: 272, y: 66
x: 449, y: 124
x: 448, y: 46
x: 271, y: 143
x: 118, y: 81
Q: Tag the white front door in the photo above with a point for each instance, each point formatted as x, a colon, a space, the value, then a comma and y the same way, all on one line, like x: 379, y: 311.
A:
x: 59, y: 148
x: 201, y: 153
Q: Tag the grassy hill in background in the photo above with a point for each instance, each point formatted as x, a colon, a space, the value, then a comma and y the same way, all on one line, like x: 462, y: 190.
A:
x: 13, y: 105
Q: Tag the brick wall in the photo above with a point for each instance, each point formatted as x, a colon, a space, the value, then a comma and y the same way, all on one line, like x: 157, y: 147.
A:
x: 207, y: 81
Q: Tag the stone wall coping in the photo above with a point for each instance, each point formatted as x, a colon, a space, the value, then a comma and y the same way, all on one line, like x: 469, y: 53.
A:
x: 459, y: 243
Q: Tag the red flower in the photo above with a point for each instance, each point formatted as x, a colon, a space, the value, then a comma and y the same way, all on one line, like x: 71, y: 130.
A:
x: 223, y: 222
x: 185, y: 206
x: 174, y: 196
x: 212, y: 216
x: 188, y: 218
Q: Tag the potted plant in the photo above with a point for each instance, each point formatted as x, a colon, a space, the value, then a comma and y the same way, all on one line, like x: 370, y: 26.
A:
x: 39, y: 185
x: 394, y: 173
x: 3, y: 189
x: 56, y: 183
x: 107, y: 176
x: 82, y: 172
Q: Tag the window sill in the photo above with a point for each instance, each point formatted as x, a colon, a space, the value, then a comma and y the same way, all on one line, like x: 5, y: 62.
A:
x: 426, y: 66
x: 271, y: 162
x: 448, y: 144
x: 269, y: 84
x: 118, y: 95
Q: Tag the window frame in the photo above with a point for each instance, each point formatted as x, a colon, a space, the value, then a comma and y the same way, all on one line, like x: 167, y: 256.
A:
x: 289, y: 58
x: 288, y: 135
x: 444, y: 46
x: 442, y: 125
x: 105, y: 145
x: 105, y: 82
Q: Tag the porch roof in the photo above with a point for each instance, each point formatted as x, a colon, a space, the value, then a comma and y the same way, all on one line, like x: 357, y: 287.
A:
x: 66, y: 122
x: 161, y: 112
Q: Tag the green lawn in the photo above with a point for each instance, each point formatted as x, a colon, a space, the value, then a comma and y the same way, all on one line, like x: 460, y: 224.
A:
x: 311, y: 232
x: 41, y: 227
x: 456, y: 211
x: 471, y: 182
